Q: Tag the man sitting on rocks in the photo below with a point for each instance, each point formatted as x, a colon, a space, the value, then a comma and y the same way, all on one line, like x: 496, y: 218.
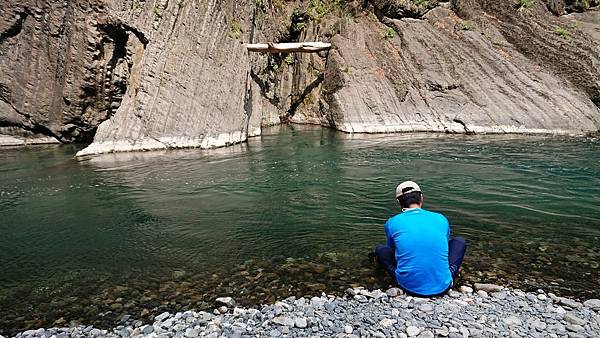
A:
x: 419, y: 254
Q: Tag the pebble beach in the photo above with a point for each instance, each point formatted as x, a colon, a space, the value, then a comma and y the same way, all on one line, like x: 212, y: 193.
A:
x: 479, y: 310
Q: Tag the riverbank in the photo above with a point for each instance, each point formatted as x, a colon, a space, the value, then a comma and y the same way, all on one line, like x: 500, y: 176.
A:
x: 483, y: 310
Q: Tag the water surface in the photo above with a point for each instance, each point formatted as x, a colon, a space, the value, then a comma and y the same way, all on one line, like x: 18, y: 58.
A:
x: 289, y: 213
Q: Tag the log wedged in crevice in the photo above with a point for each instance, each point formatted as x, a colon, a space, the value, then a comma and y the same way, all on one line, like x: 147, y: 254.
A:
x: 290, y: 81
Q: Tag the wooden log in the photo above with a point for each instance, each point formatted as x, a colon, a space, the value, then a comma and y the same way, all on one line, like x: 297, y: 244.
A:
x: 292, y: 47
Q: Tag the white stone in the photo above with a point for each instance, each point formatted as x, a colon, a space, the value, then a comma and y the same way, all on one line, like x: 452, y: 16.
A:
x: 539, y: 325
x: 228, y: 301
x: 559, y: 309
x: 466, y: 289
x: 238, y: 311
x: 300, y: 322
x: 412, y: 331
x: 386, y: 322
x: 317, y: 301
x: 569, y: 302
x: 442, y: 332
x: 454, y: 294
x: 283, y: 320
x: 375, y: 294
x: 348, y: 329
x: 460, y: 302
x: 512, y: 321
x: 191, y: 333
x: 519, y: 293
x: 426, y: 334
x: 162, y: 316
x: 361, y: 298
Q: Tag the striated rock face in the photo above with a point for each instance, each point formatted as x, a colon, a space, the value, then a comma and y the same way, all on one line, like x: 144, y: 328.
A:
x: 65, y: 68
x: 434, y: 76
x: 190, y: 85
x: 138, y: 75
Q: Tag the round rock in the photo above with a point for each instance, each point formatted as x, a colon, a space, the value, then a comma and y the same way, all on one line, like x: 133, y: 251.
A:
x: 412, y: 331
x: 466, y: 289
x: 394, y: 292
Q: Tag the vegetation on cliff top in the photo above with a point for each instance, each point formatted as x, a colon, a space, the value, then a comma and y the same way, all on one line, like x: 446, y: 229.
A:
x: 562, y: 32
x: 389, y: 33
x: 524, y: 4
x: 235, y: 31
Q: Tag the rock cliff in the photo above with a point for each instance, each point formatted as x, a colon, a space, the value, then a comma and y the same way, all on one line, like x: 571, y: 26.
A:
x: 137, y: 75
x: 65, y: 68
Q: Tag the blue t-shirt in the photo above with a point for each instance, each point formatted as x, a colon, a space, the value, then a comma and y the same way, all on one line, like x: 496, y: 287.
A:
x: 420, y: 241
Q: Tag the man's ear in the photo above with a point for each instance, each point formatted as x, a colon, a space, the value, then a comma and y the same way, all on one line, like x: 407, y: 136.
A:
x: 422, y: 199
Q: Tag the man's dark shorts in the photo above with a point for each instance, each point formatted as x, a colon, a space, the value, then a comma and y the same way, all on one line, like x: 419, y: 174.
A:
x: 456, y: 253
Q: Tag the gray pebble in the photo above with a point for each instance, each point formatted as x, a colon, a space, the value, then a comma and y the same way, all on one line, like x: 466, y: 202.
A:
x: 592, y: 303
x: 512, y: 321
x: 573, y: 319
x: 148, y: 329
x: 191, y: 333
x: 162, y: 316
x: 370, y: 313
x: 426, y: 334
x: 574, y: 328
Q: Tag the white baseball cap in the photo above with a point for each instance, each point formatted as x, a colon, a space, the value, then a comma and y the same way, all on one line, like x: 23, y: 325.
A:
x: 406, y: 187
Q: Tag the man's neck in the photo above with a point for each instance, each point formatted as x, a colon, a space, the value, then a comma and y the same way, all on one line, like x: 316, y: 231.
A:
x: 412, y: 206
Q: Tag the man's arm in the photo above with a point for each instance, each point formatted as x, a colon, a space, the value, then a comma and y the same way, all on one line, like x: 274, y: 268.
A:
x: 390, y: 240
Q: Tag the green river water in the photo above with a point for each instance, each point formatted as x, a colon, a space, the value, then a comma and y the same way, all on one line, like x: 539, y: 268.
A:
x: 293, y: 212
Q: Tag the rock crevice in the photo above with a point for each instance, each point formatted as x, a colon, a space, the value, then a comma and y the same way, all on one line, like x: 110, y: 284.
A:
x: 16, y: 27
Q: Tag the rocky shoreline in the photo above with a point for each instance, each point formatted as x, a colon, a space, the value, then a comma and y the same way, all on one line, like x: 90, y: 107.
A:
x: 481, y: 310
